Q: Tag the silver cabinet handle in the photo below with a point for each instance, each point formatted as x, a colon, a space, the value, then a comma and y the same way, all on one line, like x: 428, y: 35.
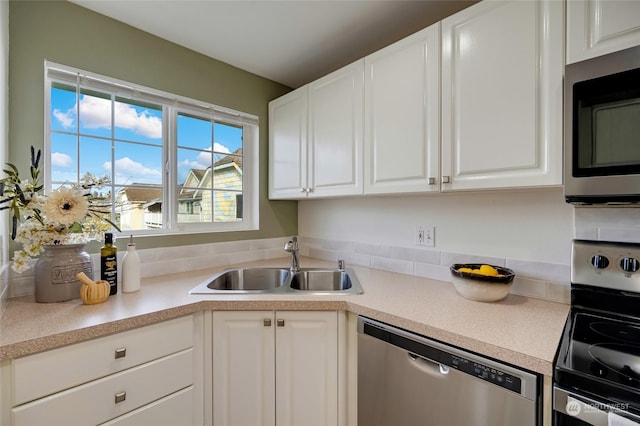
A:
x: 120, y: 397
x: 121, y: 353
x: 431, y: 181
x: 280, y: 323
x: 303, y: 190
x: 446, y: 179
x: 266, y: 322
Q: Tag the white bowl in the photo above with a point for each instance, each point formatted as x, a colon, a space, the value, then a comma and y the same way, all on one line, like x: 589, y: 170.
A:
x: 482, y: 288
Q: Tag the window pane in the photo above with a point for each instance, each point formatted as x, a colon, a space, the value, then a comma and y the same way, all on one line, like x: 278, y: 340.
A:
x: 63, y: 107
x: 192, y: 166
x: 225, y: 205
x: 139, y: 207
x: 137, y: 164
x: 95, y: 114
x: 191, y: 208
x: 228, y: 138
x: 139, y: 122
x: 228, y: 173
x: 194, y: 132
x: 95, y: 157
x: 64, y: 158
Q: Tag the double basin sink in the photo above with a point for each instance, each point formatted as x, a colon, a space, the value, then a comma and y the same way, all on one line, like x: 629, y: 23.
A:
x: 281, y: 280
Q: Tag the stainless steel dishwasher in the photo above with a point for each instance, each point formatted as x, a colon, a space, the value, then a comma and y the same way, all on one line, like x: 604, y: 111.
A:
x: 405, y: 379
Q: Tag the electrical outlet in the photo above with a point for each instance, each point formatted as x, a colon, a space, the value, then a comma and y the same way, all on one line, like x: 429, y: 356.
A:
x: 425, y: 236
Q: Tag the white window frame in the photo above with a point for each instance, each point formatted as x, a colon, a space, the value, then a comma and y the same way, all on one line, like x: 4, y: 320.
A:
x: 172, y: 105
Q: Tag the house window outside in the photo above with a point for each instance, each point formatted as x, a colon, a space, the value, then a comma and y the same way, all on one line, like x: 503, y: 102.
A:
x: 175, y: 164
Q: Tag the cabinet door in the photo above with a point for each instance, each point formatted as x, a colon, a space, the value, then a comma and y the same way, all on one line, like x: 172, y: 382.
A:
x: 597, y: 27
x: 288, y: 145
x: 243, y: 372
x: 307, y: 368
x: 402, y: 115
x: 335, y: 132
x: 502, y: 67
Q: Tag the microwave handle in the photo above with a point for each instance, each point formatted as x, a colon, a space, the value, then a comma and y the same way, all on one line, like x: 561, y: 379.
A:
x: 585, y: 409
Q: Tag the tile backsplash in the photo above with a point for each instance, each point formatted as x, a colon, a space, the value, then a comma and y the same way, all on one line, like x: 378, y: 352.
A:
x: 534, y: 279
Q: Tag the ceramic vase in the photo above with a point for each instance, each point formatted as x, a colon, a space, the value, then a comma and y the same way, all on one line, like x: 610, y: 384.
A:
x: 56, y: 269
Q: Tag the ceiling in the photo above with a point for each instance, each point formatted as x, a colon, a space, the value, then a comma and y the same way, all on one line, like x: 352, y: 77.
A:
x: 291, y: 42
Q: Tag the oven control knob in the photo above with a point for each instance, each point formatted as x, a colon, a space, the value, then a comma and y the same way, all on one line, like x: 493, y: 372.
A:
x: 629, y: 264
x: 599, y: 262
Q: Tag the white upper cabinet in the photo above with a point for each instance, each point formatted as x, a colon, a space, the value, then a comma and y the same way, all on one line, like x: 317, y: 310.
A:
x: 315, y: 137
x: 288, y: 145
x: 335, y: 133
x: 502, y: 67
x: 597, y: 27
x: 402, y: 115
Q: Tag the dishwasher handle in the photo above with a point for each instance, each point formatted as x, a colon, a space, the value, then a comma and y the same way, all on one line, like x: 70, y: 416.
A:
x: 427, y: 365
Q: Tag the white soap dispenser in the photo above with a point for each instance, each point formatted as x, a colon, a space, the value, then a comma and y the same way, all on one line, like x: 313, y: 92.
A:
x: 131, y: 269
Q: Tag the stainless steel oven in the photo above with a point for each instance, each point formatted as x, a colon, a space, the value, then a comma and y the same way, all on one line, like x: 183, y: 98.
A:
x: 597, y: 367
x: 602, y: 129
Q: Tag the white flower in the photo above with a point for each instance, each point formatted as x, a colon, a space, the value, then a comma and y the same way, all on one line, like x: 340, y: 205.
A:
x: 66, y: 206
x: 20, y: 261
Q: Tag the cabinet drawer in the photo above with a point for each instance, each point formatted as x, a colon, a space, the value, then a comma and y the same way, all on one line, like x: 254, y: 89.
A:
x: 48, y: 372
x: 95, y: 402
x: 175, y: 409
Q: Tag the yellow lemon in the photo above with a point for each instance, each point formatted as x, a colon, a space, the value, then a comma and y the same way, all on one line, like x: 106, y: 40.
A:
x: 488, y: 270
x: 465, y: 269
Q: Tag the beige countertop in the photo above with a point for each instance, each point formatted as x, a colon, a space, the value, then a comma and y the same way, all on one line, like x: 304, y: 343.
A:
x: 518, y: 330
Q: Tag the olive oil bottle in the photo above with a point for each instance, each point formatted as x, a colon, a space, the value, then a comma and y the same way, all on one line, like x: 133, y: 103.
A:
x: 109, y: 263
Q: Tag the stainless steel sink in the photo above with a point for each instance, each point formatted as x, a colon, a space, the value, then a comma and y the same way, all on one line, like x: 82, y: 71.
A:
x: 281, y: 280
x: 321, y: 280
x: 246, y: 280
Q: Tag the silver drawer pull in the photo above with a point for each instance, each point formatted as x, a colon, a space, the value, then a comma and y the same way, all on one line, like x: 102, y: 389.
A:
x: 266, y: 322
x: 121, y: 353
x: 280, y: 323
x: 120, y: 397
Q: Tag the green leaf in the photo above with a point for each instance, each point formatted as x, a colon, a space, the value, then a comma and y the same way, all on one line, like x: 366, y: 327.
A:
x: 75, y: 228
x: 15, y: 169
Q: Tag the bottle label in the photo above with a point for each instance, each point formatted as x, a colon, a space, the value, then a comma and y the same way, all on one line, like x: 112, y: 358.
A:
x: 109, y: 272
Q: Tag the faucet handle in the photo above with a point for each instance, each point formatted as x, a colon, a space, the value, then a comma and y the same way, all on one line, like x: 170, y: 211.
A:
x: 341, y: 264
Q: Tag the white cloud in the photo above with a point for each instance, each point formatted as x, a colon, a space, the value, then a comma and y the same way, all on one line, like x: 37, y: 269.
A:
x: 65, y: 118
x: 203, y: 160
x: 59, y: 159
x: 95, y: 113
x: 129, y: 172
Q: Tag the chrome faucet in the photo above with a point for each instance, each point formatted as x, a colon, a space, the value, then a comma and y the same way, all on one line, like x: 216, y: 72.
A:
x: 292, y: 247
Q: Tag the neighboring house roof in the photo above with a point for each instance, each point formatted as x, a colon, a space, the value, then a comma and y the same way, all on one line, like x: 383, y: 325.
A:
x: 234, y: 157
x: 141, y: 195
x: 198, y: 173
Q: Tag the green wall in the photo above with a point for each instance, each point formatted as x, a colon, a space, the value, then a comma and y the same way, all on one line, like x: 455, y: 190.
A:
x: 68, y: 34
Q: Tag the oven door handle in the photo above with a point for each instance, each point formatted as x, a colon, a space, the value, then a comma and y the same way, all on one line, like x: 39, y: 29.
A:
x: 585, y: 409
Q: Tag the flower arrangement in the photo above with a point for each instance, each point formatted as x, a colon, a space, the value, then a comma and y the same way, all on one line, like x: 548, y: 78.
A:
x: 71, y: 214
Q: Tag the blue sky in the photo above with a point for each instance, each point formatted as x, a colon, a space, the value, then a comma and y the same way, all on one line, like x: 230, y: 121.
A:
x: 138, y: 133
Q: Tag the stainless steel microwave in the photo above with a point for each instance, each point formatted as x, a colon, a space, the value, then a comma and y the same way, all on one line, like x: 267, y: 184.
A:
x: 602, y: 129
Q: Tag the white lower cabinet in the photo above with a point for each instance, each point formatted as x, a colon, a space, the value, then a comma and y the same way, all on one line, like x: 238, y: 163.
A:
x: 141, y: 376
x: 277, y: 368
